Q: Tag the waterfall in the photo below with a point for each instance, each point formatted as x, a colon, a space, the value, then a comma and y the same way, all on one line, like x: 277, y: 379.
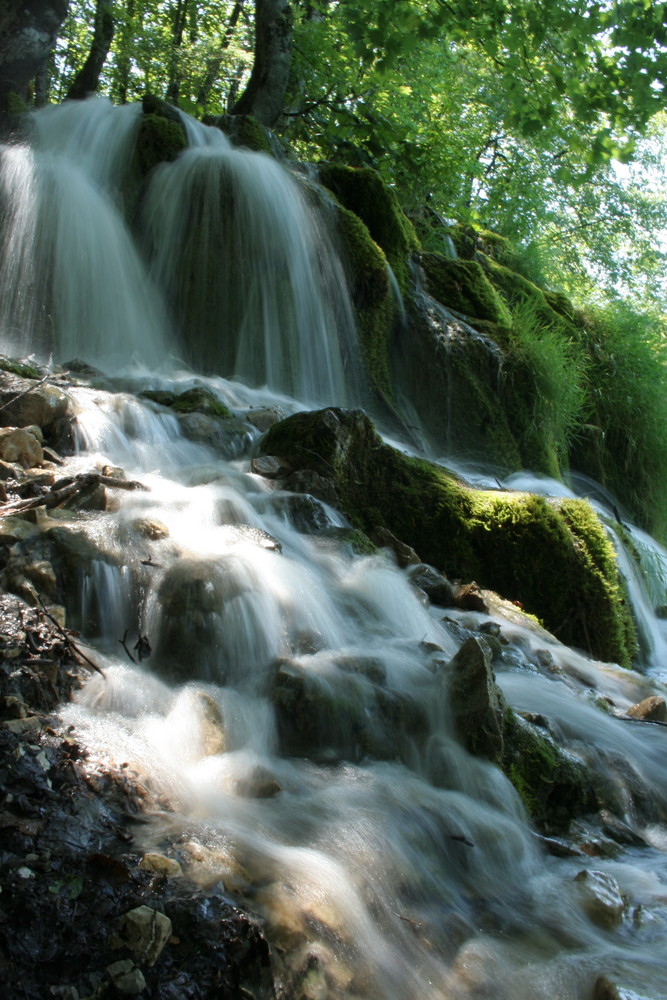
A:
x: 295, y: 710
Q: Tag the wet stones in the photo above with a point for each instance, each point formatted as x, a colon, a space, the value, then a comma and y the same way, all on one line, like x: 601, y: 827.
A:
x: 600, y: 897
x: 477, y: 704
x: 344, y: 713
x: 145, y: 932
x: 651, y: 709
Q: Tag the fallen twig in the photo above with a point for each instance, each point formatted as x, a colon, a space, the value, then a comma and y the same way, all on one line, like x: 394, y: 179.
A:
x: 65, y: 489
x: 122, y: 642
x: 20, y: 395
x: 71, y: 645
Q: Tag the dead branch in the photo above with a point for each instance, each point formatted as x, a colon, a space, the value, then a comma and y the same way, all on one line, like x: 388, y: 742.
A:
x: 69, y: 642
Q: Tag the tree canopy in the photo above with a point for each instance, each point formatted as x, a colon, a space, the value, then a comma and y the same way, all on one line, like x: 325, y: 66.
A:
x: 508, y: 113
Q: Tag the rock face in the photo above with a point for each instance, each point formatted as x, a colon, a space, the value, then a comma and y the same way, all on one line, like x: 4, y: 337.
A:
x: 500, y: 539
x: 553, y: 785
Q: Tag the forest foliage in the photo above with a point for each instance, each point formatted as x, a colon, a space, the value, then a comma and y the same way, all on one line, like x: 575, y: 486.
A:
x: 541, y: 120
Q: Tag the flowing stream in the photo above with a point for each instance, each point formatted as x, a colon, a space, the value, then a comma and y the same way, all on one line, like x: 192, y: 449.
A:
x: 294, y: 711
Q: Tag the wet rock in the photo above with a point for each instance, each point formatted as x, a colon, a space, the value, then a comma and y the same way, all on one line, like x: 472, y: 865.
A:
x: 435, y: 585
x: 477, y: 704
x: 600, y: 897
x: 470, y: 597
x: 212, y: 725
x: 126, y: 977
x: 264, y: 417
x: 26, y: 402
x: 303, y: 511
x: 269, y: 466
x: 161, y: 865
x: 310, y: 481
x: 21, y: 445
x: 150, y: 528
x: 258, y: 784
x: 145, y: 932
x: 404, y: 554
x: 652, y: 709
x: 342, y: 715
x: 607, y: 989
x: 228, y: 435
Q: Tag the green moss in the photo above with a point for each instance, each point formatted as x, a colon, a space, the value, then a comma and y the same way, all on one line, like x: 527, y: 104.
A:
x: 162, y: 396
x: 551, y: 556
x: 371, y: 295
x: 469, y: 241
x: 13, y: 104
x: 362, y: 191
x: 463, y: 286
x: 247, y: 132
x: 200, y: 400
x: 454, y: 375
x: 553, y: 786
x: 160, y: 140
x: 19, y: 368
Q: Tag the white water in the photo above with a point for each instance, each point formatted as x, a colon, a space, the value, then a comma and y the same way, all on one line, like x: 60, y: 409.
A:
x: 376, y: 849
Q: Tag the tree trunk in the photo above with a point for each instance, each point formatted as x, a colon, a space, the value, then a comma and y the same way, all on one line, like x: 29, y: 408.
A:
x: 265, y: 94
x: 214, y: 63
x: 28, y: 32
x: 124, y: 57
x: 87, y: 79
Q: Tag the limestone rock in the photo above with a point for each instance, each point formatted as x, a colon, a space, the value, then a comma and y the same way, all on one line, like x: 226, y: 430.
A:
x: 20, y: 445
x: 126, y: 977
x: 601, y: 897
x: 161, y: 865
x: 145, y: 932
x: 405, y: 554
x: 435, y: 585
x: 652, y: 709
x: 477, y: 704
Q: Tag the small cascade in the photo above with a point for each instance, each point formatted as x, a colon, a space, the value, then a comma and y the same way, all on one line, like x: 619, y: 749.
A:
x: 72, y: 283
x: 253, y: 279
x: 295, y: 718
x: 295, y: 713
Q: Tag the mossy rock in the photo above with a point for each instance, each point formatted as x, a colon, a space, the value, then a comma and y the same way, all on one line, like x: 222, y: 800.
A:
x: 371, y: 296
x: 199, y: 399
x: 362, y: 191
x: 554, y: 786
x: 454, y: 375
x: 246, y: 132
x: 519, y: 291
x: 20, y: 368
x: 552, y: 556
x: 469, y: 241
x: 463, y: 286
x: 160, y: 140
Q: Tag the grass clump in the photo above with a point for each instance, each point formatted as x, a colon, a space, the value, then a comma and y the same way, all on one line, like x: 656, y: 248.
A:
x: 623, y: 439
x: 545, y: 387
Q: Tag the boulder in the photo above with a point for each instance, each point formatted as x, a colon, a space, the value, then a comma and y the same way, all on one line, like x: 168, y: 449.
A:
x: 652, y: 709
x: 600, y: 897
x: 145, y: 932
x: 21, y: 445
x: 477, y: 704
x: 503, y: 540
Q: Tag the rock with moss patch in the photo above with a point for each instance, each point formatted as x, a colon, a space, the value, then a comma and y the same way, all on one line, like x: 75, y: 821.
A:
x: 463, y: 286
x: 160, y: 140
x: 501, y: 539
x: 362, y: 191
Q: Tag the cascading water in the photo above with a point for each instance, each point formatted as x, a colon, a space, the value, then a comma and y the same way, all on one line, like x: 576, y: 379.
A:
x: 295, y: 709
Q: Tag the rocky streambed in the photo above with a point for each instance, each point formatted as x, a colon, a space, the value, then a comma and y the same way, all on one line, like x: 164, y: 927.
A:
x: 86, y: 910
